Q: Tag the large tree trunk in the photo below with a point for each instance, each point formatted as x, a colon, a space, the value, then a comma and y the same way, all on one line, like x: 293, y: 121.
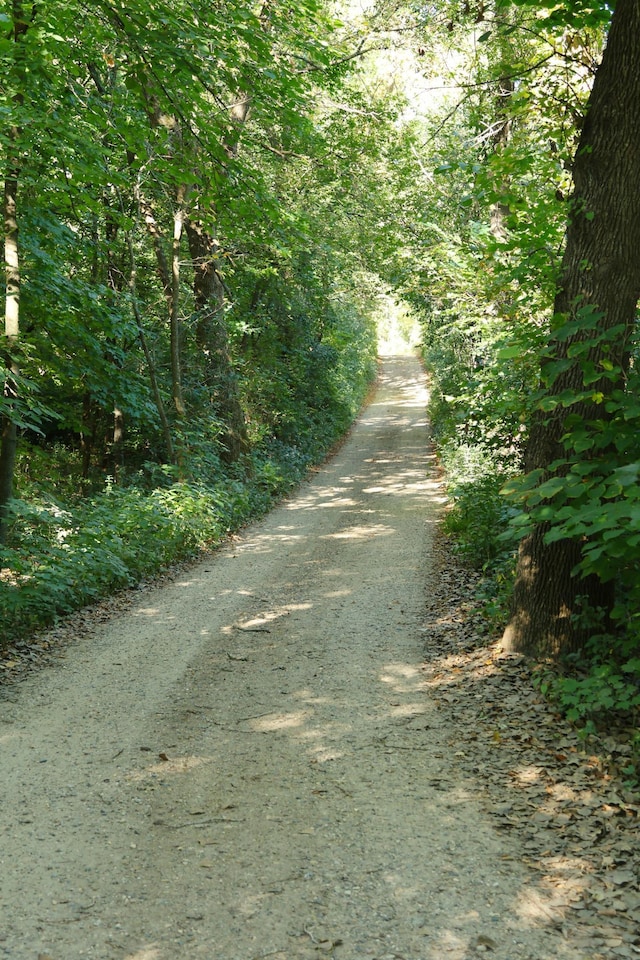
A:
x: 601, y: 272
x: 213, y: 341
x: 500, y: 140
x: 8, y: 430
x: 174, y: 313
x: 9, y: 433
x: 8, y: 450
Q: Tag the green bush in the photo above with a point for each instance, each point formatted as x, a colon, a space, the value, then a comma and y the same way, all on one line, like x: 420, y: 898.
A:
x: 61, y: 557
x: 57, y: 561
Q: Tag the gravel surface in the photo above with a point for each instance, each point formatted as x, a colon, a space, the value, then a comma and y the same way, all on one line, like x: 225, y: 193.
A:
x: 251, y: 760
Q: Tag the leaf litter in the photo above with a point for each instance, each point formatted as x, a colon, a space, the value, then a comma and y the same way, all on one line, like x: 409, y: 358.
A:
x: 556, y: 793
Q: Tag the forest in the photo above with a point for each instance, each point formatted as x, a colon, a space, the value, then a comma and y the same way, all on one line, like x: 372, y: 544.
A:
x: 213, y: 213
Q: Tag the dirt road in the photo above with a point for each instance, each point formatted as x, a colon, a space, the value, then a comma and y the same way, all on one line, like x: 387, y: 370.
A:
x: 248, y: 763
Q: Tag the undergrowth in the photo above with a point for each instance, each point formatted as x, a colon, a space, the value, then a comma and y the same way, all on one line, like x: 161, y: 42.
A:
x: 66, y: 550
x: 478, y: 524
x: 597, y: 689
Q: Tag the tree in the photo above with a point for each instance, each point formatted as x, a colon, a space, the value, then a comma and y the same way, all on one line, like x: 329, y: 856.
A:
x: 588, y: 353
x: 20, y: 24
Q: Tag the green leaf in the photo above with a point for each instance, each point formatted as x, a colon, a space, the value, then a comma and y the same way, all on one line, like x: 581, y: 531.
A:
x: 509, y: 353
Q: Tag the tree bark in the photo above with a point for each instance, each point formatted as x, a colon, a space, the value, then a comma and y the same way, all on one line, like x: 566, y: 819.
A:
x: 600, y: 271
x: 500, y: 140
x: 8, y: 451
x: 8, y: 429
x: 9, y: 442
x: 176, y: 325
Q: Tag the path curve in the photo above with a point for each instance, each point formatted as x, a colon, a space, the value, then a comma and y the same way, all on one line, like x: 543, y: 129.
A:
x: 248, y: 764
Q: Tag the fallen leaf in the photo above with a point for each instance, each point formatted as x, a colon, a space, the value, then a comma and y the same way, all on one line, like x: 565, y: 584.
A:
x: 621, y: 878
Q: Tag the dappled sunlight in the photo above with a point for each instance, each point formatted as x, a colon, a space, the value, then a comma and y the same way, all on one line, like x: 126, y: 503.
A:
x: 334, y: 500
x: 279, y: 721
x: 525, y: 776
x: 446, y: 671
x: 171, y: 766
x: 8, y: 737
x: 535, y: 907
x: 409, y: 709
x: 321, y: 754
x: 266, y: 543
x: 313, y: 500
x: 330, y: 729
x: 395, y: 420
x: 331, y: 573
x: 317, y: 741
x: 538, y: 779
x: 151, y: 952
x: 255, y: 623
x: 403, y: 677
x: 265, y: 620
x: 308, y: 696
x: 451, y: 945
x: 381, y: 479
x: 360, y: 533
x: 562, y: 791
x: 401, y: 488
x: 251, y: 904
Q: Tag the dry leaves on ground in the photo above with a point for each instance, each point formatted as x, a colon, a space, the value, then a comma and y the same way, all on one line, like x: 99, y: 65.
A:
x: 576, y: 822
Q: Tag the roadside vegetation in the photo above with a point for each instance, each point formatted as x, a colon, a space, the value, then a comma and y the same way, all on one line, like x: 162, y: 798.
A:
x: 75, y: 536
x: 534, y: 399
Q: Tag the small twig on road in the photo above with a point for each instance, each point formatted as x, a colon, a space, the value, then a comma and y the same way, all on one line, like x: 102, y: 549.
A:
x: 257, y: 716
x: 62, y: 920
x: 203, y: 823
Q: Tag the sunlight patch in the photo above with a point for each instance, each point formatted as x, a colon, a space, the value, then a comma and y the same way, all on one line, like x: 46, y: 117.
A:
x: 449, y: 945
x: 145, y: 953
x: 280, y: 721
x: 322, y: 754
x: 534, y: 907
x: 360, y: 533
x: 528, y: 775
x: 402, y: 678
x: 309, y: 696
x: 408, y: 709
x: 169, y: 766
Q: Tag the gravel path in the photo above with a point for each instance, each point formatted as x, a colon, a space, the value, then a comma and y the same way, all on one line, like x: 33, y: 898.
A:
x: 249, y: 763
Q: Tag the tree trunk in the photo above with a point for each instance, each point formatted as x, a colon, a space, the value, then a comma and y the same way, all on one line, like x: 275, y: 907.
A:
x: 600, y: 272
x: 213, y: 341
x: 176, y: 325
x: 9, y: 433
x: 8, y: 446
x: 8, y: 450
x: 500, y: 140
x: 88, y: 434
